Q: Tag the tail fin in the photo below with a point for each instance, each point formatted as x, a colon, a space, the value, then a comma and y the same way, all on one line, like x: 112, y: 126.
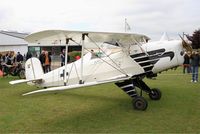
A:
x: 33, y: 69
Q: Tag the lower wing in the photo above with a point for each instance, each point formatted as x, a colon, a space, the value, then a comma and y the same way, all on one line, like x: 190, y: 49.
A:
x: 77, y: 85
x: 24, y: 81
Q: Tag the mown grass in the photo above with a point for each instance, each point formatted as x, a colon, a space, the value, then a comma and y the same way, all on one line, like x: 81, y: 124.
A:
x: 101, y: 109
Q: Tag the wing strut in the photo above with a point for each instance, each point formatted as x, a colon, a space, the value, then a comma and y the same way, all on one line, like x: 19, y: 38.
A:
x: 82, y: 54
x: 66, y: 54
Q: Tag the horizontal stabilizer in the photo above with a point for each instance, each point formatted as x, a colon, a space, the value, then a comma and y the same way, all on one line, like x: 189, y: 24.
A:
x: 23, y: 81
x: 76, y: 85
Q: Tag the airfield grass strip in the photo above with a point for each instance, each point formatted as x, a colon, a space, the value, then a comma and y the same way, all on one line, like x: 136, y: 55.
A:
x: 102, y: 109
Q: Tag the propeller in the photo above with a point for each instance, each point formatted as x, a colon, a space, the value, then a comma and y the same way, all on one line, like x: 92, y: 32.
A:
x: 186, y: 45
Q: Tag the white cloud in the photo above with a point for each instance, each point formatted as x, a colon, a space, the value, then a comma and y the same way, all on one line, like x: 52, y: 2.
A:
x: 150, y: 17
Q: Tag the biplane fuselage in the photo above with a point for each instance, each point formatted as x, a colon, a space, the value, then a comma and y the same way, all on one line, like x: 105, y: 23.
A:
x: 157, y: 56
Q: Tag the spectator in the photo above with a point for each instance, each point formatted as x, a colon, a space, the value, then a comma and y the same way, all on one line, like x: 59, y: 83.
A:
x: 47, y: 62
x: 42, y: 59
x: 1, y: 61
x: 1, y: 72
x: 19, y: 57
x: 186, y: 63
x: 62, y: 56
x: 1, y: 58
x: 194, y: 66
x: 4, y: 57
x: 10, y: 59
x: 28, y: 55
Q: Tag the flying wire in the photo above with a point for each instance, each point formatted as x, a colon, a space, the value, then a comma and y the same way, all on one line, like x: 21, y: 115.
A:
x: 104, y: 60
x: 120, y: 69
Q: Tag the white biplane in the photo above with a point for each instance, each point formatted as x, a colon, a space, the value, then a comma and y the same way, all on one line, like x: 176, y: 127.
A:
x: 126, y: 67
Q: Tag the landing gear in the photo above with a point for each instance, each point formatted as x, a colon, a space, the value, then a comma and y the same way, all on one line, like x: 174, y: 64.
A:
x: 139, y: 102
x: 155, y: 94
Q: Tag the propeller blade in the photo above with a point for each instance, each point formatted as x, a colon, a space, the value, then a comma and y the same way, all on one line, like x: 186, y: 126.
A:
x: 185, y: 44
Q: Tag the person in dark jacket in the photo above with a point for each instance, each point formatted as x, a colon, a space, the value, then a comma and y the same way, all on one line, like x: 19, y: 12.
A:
x: 186, y: 63
x: 10, y: 59
x: 19, y: 57
x: 62, y: 56
x: 28, y: 55
x: 42, y: 60
x: 195, y: 66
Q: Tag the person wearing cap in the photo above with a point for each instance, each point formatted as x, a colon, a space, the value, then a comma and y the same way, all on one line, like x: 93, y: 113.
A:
x: 195, y: 66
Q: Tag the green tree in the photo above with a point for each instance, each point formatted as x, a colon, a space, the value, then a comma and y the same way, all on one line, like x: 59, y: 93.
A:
x: 195, y: 39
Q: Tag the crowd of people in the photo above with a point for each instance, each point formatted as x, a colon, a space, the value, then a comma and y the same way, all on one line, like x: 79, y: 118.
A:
x: 10, y: 58
x: 10, y: 63
x: 191, y: 64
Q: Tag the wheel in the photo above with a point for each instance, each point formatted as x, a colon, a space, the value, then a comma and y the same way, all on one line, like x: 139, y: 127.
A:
x: 155, y: 94
x: 22, y: 74
x: 139, y: 103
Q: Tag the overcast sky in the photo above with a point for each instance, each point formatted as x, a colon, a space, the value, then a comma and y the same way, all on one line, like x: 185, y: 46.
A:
x: 149, y: 17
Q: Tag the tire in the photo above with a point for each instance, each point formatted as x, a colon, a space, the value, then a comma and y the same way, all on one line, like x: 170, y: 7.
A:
x: 155, y: 94
x: 22, y: 74
x: 139, y: 103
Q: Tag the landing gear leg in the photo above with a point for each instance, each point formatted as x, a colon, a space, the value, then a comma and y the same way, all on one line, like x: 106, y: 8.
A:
x: 154, y: 94
x: 139, y: 103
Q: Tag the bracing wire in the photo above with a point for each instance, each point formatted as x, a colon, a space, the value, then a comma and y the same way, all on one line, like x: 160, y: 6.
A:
x: 73, y: 64
x: 76, y: 71
x: 121, y: 71
x: 139, y: 44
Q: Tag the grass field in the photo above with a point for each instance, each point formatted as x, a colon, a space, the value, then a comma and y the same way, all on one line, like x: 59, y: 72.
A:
x: 102, y: 109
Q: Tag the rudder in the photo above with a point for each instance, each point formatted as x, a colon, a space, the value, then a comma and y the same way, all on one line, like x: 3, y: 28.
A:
x: 33, y: 69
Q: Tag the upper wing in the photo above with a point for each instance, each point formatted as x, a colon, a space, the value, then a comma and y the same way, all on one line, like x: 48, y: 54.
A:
x: 59, y: 37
